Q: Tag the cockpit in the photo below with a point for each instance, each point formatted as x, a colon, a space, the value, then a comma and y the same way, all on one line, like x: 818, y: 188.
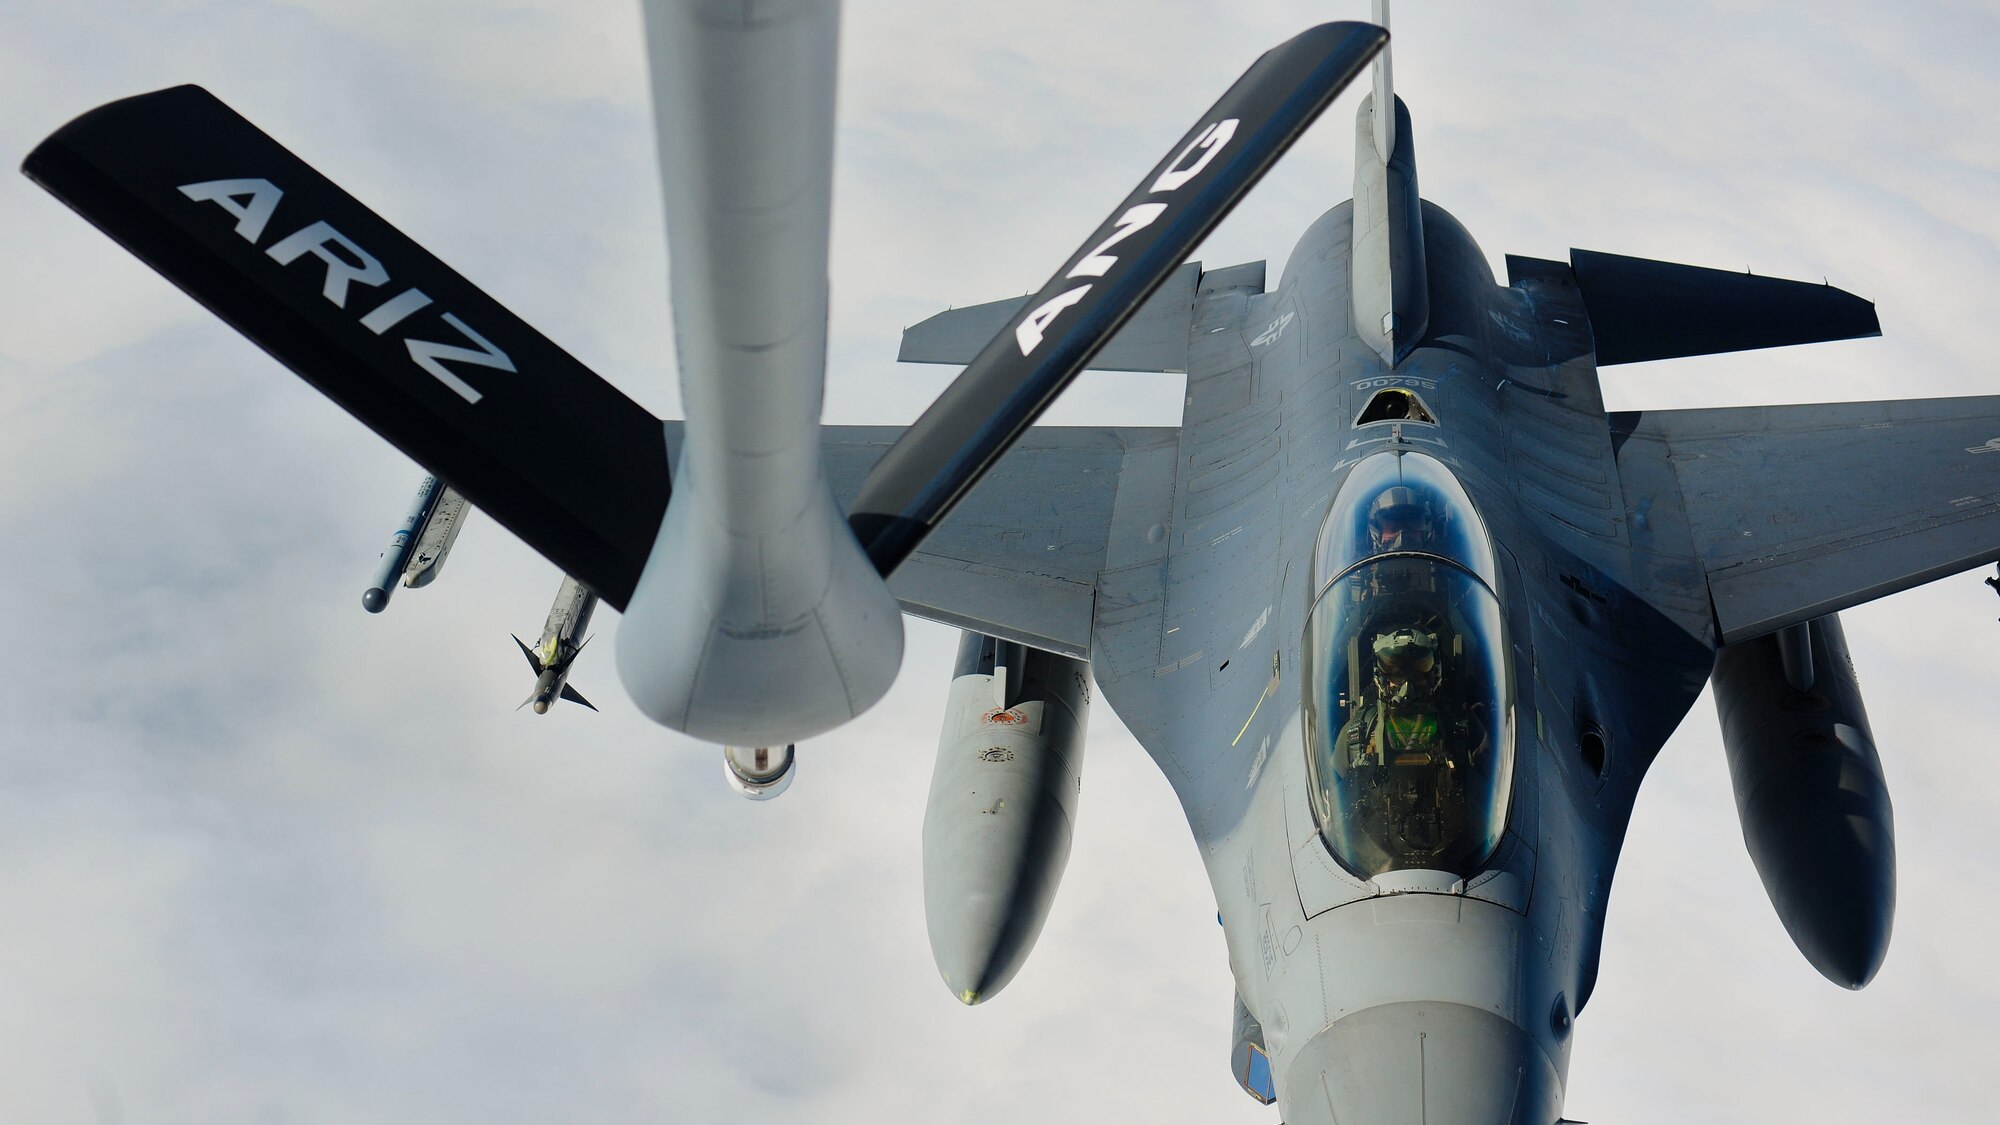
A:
x: 1409, y: 708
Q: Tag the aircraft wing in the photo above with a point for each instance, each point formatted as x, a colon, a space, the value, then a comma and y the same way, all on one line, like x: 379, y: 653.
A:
x: 1799, y: 511
x: 1019, y: 558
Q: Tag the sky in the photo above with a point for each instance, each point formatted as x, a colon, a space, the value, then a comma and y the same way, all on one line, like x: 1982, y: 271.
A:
x: 265, y: 858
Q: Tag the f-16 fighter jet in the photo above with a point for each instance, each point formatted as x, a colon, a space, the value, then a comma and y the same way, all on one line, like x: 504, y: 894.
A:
x: 1399, y: 609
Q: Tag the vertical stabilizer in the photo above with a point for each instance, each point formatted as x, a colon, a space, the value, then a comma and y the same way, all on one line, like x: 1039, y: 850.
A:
x: 1385, y: 89
x: 1391, y: 296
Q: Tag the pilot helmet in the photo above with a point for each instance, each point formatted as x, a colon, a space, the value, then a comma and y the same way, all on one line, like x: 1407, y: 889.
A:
x: 1400, y: 519
x: 1406, y: 663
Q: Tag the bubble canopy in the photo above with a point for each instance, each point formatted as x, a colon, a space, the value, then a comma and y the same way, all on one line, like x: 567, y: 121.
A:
x: 1408, y: 702
x: 1402, y: 501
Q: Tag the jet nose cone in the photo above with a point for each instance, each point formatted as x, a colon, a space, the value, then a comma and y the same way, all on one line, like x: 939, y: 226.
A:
x: 1442, y: 1064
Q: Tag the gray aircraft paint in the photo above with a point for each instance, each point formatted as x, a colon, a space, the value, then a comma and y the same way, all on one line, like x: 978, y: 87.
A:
x: 1387, y: 282
x: 1267, y: 439
x: 1002, y: 805
x: 1414, y: 993
x: 1196, y: 645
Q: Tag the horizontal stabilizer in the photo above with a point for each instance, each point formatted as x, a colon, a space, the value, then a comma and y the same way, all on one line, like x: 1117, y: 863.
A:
x: 1155, y: 339
x: 376, y: 323
x: 1796, y: 512
x: 1641, y: 310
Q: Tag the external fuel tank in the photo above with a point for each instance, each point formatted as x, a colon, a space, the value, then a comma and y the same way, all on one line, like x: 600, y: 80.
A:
x: 1809, y: 790
x: 1002, y: 801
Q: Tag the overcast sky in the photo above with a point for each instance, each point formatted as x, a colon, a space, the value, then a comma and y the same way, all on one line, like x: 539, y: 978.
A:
x: 265, y: 858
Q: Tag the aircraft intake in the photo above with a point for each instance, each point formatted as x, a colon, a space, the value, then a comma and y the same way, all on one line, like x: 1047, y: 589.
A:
x: 1809, y: 790
x: 1248, y: 1062
x: 1003, y: 797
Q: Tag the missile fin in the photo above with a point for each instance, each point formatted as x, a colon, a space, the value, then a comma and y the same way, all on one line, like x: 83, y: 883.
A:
x: 575, y: 696
x: 533, y: 660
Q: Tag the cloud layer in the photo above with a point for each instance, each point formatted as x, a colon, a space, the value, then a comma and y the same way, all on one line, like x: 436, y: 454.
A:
x: 268, y: 859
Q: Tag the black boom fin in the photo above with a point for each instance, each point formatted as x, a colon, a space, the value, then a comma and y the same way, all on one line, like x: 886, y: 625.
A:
x: 961, y: 436
x: 534, y: 661
x: 378, y: 324
x: 575, y: 696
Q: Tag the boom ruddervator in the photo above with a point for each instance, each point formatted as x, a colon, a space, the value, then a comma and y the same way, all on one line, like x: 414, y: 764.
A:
x: 1408, y: 704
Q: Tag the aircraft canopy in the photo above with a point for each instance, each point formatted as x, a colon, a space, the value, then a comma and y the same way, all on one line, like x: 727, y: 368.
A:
x: 1408, y: 707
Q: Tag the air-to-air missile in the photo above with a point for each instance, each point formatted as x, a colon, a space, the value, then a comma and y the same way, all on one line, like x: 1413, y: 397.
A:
x: 396, y: 556
x: 551, y: 660
x: 416, y: 552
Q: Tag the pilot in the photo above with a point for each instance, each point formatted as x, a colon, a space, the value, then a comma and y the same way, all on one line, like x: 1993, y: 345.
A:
x: 1401, y: 722
x: 1410, y: 720
x: 1401, y: 519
